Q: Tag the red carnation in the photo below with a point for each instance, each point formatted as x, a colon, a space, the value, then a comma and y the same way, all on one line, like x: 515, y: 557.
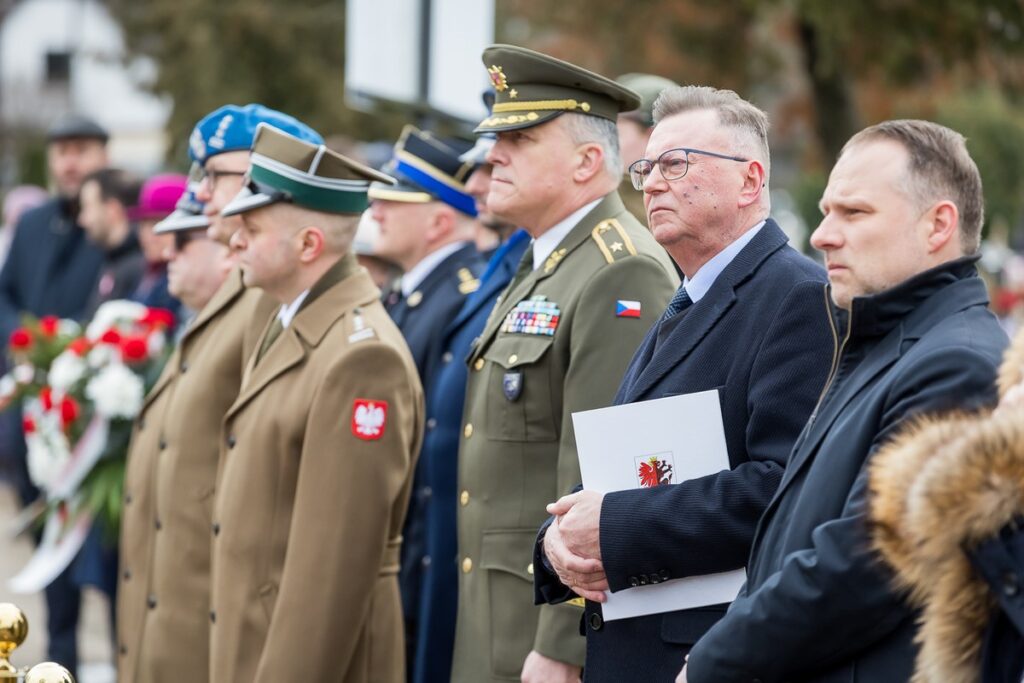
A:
x: 48, y: 325
x: 46, y: 398
x: 28, y: 425
x: 111, y: 336
x: 134, y: 349
x: 68, y: 410
x: 79, y: 347
x: 21, y: 339
x: 158, y: 317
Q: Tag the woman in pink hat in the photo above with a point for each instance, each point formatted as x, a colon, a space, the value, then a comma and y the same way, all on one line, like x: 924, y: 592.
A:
x: 157, y: 199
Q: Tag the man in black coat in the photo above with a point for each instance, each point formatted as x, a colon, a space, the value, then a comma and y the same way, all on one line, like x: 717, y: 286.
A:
x: 51, y: 269
x: 902, y: 222
x: 749, y: 322
x: 427, y: 222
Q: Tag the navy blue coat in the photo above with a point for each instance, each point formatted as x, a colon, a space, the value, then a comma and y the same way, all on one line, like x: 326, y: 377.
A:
x: 818, y: 605
x: 422, y: 319
x: 761, y: 337
x: 438, y: 467
x: 51, y: 269
x: 1000, y: 562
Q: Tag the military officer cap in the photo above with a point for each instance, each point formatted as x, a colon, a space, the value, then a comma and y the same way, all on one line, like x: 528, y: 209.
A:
x: 648, y: 86
x: 76, y: 127
x: 188, y: 213
x: 428, y: 169
x: 285, y: 168
x: 532, y: 88
x: 232, y: 128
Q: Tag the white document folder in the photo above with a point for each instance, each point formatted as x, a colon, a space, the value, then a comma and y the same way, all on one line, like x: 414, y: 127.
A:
x: 657, y: 443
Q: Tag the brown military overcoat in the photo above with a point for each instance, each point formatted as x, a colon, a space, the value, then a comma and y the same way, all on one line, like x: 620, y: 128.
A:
x: 164, y: 587
x: 314, y: 483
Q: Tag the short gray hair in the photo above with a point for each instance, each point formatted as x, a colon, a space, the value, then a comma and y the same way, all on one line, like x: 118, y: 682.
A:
x: 734, y: 112
x: 940, y: 168
x: 584, y: 128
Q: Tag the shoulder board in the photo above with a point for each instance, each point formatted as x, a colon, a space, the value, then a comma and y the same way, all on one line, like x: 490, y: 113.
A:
x: 467, y: 283
x: 612, y: 240
x: 358, y: 330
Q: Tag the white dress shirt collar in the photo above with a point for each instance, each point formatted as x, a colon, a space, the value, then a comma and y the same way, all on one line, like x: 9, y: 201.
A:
x: 702, y: 280
x: 546, y: 243
x: 415, y: 276
x: 287, y: 312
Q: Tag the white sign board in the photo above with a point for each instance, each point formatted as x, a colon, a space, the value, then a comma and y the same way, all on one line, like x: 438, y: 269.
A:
x: 385, y: 55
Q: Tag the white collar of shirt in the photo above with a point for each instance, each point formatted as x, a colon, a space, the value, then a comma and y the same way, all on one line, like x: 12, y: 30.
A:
x: 709, y: 272
x: 287, y: 312
x: 546, y: 243
x: 418, y: 273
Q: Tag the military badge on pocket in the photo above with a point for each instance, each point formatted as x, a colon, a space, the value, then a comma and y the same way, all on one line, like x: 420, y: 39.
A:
x: 512, y: 384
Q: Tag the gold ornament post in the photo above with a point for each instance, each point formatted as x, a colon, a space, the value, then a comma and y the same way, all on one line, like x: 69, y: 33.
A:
x: 13, y: 631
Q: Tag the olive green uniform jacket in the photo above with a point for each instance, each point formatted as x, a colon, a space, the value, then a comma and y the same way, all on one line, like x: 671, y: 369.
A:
x: 553, y: 345
x: 314, y: 481
x: 163, y: 595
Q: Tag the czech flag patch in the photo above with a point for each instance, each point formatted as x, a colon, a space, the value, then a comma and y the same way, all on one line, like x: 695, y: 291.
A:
x: 627, y: 309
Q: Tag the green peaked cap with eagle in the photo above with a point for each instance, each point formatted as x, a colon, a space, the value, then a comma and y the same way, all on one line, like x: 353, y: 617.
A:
x: 283, y: 168
x: 532, y: 88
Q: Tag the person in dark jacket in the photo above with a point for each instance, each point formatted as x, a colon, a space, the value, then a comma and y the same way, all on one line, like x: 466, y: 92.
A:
x: 947, y: 514
x: 51, y: 269
x: 752, y: 327
x: 902, y: 223
x: 106, y: 200
x: 427, y: 222
x: 438, y: 464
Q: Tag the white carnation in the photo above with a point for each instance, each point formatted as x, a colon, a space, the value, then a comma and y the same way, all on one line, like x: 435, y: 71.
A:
x: 111, y: 313
x: 8, y: 386
x: 49, y: 451
x: 116, y: 391
x: 102, y: 354
x: 24, y: 373
x: 68, y: 328
x: 67, y: 369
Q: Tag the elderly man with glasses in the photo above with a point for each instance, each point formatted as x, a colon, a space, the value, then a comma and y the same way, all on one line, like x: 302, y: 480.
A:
x: 748, y: 321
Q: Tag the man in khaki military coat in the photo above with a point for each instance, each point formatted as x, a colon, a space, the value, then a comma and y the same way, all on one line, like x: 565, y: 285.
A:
x: 318, y: 450
x: 164, y: 587
x: 558, y: 341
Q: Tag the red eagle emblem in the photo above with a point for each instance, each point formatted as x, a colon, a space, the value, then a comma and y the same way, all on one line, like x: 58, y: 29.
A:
x: 369, y: 418
x: 654, y: 472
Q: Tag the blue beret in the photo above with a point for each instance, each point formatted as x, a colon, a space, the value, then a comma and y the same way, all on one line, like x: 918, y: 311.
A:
x: 233, y: 128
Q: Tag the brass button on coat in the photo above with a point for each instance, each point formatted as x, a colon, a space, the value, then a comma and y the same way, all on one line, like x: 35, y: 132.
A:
x: 468, y: 431
x: 467, y: 565
x: 479, y: 364
x: 464, y: 498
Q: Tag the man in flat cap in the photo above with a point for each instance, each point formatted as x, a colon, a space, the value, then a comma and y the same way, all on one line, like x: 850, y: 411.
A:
x: 588, y: 288
x: 319, y: 448
x: 427, y: 223
x: 52, y: 269
x: 164, y: 592
x: 635, y: 128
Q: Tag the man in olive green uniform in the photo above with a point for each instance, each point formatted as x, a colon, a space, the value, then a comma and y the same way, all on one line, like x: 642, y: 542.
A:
x: 558, y: 341
x: 635, y: 129
x: 164, y: 587
x: 319, y: 448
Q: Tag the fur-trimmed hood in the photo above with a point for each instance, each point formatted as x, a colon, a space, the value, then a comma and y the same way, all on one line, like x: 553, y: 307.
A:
x: 943, y: 485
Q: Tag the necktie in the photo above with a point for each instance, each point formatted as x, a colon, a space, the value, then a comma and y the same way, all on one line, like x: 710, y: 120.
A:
x: 680, y: 302
x: 525, y: 268
x: 276, y: 328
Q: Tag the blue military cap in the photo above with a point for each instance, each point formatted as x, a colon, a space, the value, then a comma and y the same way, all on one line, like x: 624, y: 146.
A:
x: 428, y: 169
x: 188, y: 213
x: 233, y: 128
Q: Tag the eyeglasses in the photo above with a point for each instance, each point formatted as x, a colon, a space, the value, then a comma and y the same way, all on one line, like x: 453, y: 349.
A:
x: 673, y: 165
x: 211, y: 176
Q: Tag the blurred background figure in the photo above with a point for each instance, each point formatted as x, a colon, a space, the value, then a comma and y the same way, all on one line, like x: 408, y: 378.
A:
x: 106, y: 203
x: 634, y: 131
x: 19, y: 200
x: 157, y: 199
